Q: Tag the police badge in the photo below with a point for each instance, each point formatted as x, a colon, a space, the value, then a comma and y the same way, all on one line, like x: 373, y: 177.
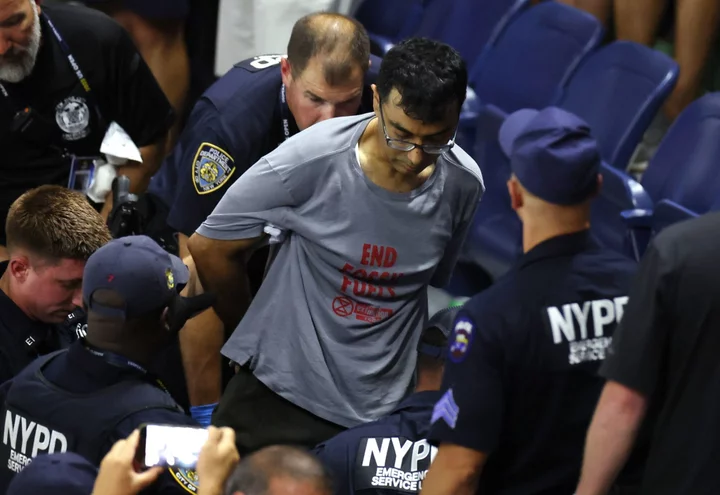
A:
x: 212, y: 168
x: 72, y: 116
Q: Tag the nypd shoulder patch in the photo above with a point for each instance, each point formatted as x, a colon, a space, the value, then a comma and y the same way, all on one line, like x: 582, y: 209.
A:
x: 187, y: 478
x: 461, y: 339
x: 260, y: 62
x: 212, y: 168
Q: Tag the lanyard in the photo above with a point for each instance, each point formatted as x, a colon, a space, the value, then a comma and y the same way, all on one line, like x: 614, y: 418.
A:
x: 73, y: 64
x: 122, y: 362
x: 284, y: 114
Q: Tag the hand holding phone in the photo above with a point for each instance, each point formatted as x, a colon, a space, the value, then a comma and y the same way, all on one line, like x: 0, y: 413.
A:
x: 218, y: 458
x: 117, y: 475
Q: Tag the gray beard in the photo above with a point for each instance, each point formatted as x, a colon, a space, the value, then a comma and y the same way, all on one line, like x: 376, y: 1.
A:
x: 22, y: 60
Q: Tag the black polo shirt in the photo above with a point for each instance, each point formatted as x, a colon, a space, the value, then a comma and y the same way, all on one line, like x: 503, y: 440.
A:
x: 122, y: 89
x: 668, y: 349
x: 521, y: 380
x: 23, y: 339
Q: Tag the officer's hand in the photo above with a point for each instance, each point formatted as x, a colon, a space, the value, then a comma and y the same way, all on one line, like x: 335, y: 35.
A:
x: 117, y: 475
x: 218, y: 458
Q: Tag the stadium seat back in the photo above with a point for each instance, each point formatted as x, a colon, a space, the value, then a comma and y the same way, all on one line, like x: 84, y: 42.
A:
x: 536, y: 52
x: 686, y: 167
x: 618, y: 90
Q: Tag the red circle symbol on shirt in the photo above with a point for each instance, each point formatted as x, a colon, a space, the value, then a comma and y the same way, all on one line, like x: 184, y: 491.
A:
x: 342, y: 306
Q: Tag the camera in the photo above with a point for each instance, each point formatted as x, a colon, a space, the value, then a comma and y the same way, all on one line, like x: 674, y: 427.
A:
x: 139, y: 215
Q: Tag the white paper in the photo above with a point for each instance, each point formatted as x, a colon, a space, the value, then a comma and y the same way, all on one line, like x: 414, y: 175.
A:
x: 102, y: 181
x: 118, y: 146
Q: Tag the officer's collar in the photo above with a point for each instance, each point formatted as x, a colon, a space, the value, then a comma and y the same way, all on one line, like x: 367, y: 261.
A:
x: 419, y: 400
x: 562, y: 245
x: 33, y: 333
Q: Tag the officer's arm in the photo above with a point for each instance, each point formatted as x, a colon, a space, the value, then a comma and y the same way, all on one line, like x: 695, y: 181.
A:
x: 610, y: 438
x: 222, y: 269
x: 201, y: 340
x: 468, y: 419
x: 456, y: 470
x: 633, y: 369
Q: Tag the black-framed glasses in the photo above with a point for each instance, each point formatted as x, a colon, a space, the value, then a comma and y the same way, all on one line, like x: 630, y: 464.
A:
x: 400, y: 145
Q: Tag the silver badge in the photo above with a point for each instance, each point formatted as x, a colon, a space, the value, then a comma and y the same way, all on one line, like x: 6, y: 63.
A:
x: 73, y: 117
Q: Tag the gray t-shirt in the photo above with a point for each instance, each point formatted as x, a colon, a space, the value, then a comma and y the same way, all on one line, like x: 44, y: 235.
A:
x: 334, y: 327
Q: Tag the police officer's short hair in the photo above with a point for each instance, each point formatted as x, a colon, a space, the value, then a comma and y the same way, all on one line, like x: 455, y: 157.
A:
x: 254, y: 473
x: 341, y: 38
x: 55, y: 223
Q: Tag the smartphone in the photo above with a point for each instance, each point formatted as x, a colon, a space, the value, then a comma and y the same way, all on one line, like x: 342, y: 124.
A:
x: 170, y: 445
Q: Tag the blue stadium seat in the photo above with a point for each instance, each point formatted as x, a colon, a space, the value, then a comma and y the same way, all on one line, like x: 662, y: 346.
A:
x: 511, y: 75
x: 667, y: 212
x: 471, y: 24
x: 494, y: 241
x: 618, y: 90
x: 389, y: 22
x: 682, y: 177
x: 619, y: 193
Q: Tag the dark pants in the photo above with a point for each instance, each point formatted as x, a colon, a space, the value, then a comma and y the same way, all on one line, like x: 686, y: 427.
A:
x: 261, y: 418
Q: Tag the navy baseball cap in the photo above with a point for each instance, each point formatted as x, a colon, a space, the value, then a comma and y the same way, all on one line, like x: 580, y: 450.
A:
x: 145, y: 275
x: 442, y: 320
x: 552, y: 154
x: 61, y: 474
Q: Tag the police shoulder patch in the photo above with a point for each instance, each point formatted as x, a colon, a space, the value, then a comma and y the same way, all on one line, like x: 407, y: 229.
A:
x: 187, y: 478
x: 461, y: 339
x: 261, y: 62
x: 212, y: 168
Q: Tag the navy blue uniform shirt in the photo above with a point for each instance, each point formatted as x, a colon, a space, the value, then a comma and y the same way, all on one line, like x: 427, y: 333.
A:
x: 81, y: 372
x: 238, y: 120
x: 388, y: 456
x: 23, y: 339
x: 521, y: 382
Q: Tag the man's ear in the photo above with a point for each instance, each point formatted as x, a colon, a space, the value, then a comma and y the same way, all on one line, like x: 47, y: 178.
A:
x: 376, y: 100
x: 516, y: 196
x: 19, y: 267
x: 285, y: 71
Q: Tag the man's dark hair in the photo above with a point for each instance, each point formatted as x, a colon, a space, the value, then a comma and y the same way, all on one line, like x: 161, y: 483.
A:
x: 341, y: 41
x: 430, y: 76
x: 254, y: 473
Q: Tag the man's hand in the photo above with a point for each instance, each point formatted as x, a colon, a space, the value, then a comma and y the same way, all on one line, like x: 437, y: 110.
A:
x: 218, y: 458
x: 117, y: 475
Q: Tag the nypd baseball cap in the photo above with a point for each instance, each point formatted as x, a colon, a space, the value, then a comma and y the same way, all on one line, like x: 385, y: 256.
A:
x: 552, y: 154
x: 443, y: 321
x: 61, y: 474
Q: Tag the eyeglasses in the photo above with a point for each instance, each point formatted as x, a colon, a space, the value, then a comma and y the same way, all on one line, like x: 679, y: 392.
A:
x: 400, y: 145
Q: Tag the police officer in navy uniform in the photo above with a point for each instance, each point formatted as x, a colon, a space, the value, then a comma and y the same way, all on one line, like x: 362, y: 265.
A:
x: 51, y: 231
x: 257, y: 105
x: 98, y: 391
x: 391, y: 455
x: 521, y: 382
x: 66, y: 73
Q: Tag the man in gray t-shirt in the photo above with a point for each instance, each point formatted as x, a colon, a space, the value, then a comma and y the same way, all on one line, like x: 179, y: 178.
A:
x: 367, y: 211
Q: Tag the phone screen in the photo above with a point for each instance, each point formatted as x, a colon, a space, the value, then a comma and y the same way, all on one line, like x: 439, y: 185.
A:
x: 175, y: 446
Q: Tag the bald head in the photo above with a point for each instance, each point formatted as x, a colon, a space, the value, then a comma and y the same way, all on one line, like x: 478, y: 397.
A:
x: 341, y: 43
x: 279, y: 470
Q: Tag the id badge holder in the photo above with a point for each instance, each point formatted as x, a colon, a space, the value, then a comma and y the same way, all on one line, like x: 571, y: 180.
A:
x: 82, y: 173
